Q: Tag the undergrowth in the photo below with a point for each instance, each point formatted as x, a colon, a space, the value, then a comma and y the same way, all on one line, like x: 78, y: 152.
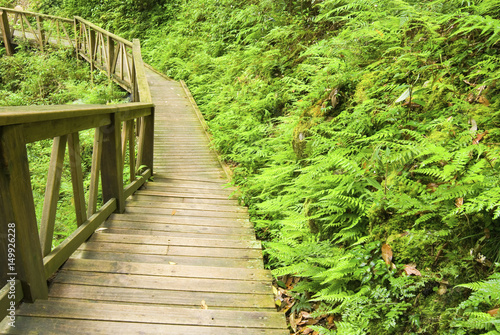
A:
x: 55, y: 77
x: 355, y: 128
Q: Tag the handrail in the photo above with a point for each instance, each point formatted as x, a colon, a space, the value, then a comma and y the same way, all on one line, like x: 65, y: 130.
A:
x: 116, y: 128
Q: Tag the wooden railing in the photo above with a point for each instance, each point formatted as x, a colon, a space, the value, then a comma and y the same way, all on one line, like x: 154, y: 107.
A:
x: 29, y: 258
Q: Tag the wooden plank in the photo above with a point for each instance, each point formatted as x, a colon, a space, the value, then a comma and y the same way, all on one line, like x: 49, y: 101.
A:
x: 155, y: 201
x: 182, y: 220
x: 171, y: 228
x: 165, y: 297
x: 18, y: 208
x: 188, y: 190
x: 131, y: 149
x: 110, y: 55
x: 111, y: 167
x: 171, y: 250
x: 148, y: 207
x: 75, y: 162
x: 182, y: 260
x: 34, y: 114
x: 172, y: 270
x: 36, y: 131
x: 162, y: 282
x: 94, y: 173
x: 135, y: 185
x: 174, y: 234
x: 142, y: 82
x: 153, y: 314
x: 184, y: 195
x: 191, y: 200
x: 40, y: 32
x: 178, y: 241
x: 5, y: 29
x: 52, y: 194
x: 57, y: 326
x: 62, y: 252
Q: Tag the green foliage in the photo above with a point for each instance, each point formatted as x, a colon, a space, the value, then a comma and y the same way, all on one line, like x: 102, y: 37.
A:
x: 352, y: 123
x: 34, y: 78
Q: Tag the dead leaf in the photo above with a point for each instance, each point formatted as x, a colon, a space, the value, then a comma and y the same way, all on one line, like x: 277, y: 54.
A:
x: 482, y: 100
x: 479, y: 137
x: 493, y: 312
x: 410, y: 269
x: 330, y: 319
x: 289, y: 282
x: 293, y: 323
x: 305, y: 315
x: 173, y: 212
x: 459, y: 202
x: 204, y: 305
x: 387, y: 253
x: 172, y: 263
x: 442, y: 289
x: 307, y: 331
x: 486, y: 233
x: 333, y: 97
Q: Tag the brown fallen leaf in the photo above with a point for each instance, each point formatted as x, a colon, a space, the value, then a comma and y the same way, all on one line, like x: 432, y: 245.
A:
x: 387, y: 253
x: 459, y: 202
x: 329, y: 319
x: 493, y: 312
x: 482, y: 100
x: 173, y: 211
x: 289, y: 282
x: 204, y: 305
x: 293, y: 323
x: 307, y: 331
x: 479, y: 137
x: 410, y: 269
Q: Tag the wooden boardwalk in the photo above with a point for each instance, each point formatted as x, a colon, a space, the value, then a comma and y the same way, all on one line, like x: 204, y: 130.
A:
x: 182, y: 259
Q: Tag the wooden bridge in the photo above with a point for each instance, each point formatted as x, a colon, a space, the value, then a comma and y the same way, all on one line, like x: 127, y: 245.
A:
x: 174, y: 255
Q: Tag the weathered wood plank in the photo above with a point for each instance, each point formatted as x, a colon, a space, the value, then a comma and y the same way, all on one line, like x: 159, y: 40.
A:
x: 61, y: 253
x: 58, y: 326
x: 172, y: 250
x: 94, y: 173
x: 153, y: 314
x: 246, y: 232
x: 184, y: 195
x: 111, y: 167
x: 191, y: 299
x: 75, y: 162
x: 152, y: 208
x: 136, y: 184
x: 162, y: 282
x: 5, y: 29
x: 178, y: 241
x: 182, y: 260
x: 52, y: 194
x: 18, y: 210
x: 155, y: 202
x: 171, y: 270
x: 173, y: 234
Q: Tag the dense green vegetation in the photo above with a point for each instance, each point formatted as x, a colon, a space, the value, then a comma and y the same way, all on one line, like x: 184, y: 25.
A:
x: 34, y: 78
x: 364, y: 136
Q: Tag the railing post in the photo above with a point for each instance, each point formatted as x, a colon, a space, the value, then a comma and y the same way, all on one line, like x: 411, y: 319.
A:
x: 111, y: 56
x: 18, y: 209
x: 92, y: 48
x: 111, y: 167
x: 41, y: 32
x: 4, y: 26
